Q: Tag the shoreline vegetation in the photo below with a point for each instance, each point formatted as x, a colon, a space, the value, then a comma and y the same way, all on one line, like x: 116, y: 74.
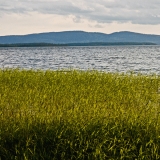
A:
x: 78, y: 115
x: 75, y: 44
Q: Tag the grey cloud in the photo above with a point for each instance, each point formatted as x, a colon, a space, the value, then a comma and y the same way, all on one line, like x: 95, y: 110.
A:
x: 101, y: 11
x: 98, y: 26
x: 77, y: 19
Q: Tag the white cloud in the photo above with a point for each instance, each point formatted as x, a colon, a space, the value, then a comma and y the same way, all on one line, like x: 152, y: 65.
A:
x: 87, y: 14
x: 105, y: 11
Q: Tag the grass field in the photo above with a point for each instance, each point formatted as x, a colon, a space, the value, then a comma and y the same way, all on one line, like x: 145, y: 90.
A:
x: 78, y: 115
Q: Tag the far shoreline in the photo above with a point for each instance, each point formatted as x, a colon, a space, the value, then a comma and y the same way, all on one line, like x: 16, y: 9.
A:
x: 78, y: 44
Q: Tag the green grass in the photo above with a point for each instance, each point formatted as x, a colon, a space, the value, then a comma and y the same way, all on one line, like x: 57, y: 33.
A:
x: 78, y: 115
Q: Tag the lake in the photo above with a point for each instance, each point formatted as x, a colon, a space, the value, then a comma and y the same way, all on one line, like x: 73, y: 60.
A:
x: 143, y: 59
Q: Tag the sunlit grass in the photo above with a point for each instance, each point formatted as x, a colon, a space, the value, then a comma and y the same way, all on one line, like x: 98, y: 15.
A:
x: 78, y: 115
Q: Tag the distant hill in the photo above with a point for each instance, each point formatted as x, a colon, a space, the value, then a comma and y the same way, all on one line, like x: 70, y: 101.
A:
x: 67, y: 37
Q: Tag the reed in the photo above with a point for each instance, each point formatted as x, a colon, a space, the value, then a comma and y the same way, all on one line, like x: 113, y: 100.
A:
x: 78, y: 115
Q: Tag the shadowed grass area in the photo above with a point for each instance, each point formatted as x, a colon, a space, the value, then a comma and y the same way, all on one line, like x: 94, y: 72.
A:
x: 78, y: 115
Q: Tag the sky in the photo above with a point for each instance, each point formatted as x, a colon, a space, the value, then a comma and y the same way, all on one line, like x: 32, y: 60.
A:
x: 18, y: 17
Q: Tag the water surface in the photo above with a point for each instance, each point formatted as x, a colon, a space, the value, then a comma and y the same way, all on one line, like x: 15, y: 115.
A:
x: 144, y: 59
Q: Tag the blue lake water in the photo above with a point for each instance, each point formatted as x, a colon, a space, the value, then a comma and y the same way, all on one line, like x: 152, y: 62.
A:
x: 144, y: 59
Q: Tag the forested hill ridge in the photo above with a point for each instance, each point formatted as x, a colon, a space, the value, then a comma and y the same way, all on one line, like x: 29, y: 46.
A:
x: 81, y: 37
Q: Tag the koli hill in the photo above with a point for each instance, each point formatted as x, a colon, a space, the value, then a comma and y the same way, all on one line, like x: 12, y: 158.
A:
x: 79, y: 38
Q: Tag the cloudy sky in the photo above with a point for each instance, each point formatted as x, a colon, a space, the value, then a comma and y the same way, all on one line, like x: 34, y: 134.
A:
x: 107, y: 16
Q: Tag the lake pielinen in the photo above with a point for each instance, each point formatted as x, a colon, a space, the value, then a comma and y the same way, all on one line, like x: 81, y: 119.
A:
x: 143, y: 59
